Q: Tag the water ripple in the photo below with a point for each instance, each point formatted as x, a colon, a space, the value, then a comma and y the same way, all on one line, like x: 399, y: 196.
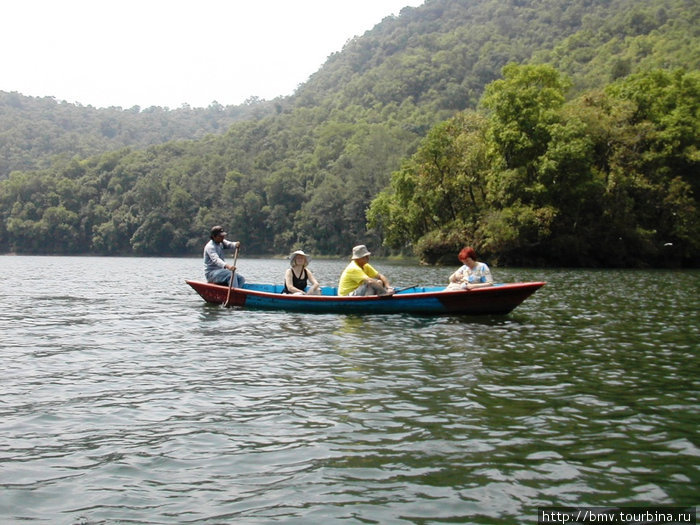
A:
x: 135, y: 401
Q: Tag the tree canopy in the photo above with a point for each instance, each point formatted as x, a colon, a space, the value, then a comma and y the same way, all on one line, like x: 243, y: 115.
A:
x: 605, y: 179
x: 544, y: 132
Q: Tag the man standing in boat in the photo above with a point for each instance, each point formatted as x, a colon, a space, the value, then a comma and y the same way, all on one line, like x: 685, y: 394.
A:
x: 215, y: 268
x: 360, y: 279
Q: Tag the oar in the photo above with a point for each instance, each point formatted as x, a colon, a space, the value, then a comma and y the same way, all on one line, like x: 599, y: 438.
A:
x: 233, y: 273
x: 397, y: 290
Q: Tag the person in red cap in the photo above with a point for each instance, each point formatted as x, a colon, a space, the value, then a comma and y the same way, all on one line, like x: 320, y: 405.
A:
x: 215, y: 268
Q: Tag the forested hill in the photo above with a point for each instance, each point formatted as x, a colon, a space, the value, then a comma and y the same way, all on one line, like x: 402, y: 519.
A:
x: 33, y: 130
x: 305, y: 174
x: 442, y: 54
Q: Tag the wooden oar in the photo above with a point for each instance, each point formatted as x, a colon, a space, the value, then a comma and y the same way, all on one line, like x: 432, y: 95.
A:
x: 233, y: 273
x: 397, y: 290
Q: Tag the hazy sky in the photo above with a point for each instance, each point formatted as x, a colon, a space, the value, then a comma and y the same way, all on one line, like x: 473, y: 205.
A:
x: 170, y: 52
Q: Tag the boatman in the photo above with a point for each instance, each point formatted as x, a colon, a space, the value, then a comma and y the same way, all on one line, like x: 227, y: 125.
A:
x: 215, y: 268
x: 360, y: 279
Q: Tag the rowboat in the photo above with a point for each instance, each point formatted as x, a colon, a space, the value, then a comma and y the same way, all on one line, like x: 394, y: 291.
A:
x: 499, y: 299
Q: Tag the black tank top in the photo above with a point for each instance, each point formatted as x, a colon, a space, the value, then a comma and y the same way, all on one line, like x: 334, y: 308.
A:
x: 297, y: 282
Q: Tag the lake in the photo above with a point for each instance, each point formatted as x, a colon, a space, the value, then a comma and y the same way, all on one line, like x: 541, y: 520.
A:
x: 125, y: 398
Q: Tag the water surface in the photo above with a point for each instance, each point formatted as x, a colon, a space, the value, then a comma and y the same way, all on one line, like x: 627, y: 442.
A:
x: 127, y: 399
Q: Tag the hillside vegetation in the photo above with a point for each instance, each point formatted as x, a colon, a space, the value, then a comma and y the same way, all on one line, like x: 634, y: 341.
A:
x: 608, y: 178
x: 304, y: 172
x: 35, y: 130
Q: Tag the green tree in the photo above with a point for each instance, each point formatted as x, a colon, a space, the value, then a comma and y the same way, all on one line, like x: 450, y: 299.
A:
x: 442, y: 188
x: 523, y: 105
x: 524, y: 112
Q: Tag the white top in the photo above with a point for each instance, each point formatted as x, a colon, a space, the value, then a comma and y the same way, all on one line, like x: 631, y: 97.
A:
x: 480, y: 274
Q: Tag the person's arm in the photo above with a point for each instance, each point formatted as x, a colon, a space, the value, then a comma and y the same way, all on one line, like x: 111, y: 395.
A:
x: 471, y: 286
x: 312, y: 279
x: 457, y: 276
x: 234, y: 245
x: 486, y: 275
x: 374, y: 277
x: 380, y: 280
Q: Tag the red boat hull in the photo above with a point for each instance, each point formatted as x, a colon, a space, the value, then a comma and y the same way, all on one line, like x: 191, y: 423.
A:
x: 495, y: 300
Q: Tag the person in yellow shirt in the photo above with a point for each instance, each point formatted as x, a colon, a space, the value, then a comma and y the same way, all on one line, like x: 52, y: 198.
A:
x: 359, y: 278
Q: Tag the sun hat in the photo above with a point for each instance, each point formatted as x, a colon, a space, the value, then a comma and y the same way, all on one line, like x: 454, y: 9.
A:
x: 360, y: 251
x: 294, y: 256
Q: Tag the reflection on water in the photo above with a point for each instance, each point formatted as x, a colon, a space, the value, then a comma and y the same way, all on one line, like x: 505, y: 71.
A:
x: 135, y: 401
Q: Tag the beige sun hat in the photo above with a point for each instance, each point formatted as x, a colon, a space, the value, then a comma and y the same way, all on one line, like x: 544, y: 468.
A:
x: 360, y: 251
x: 299, y: 252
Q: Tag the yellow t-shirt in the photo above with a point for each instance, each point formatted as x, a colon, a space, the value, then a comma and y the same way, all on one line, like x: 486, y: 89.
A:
x: 353, y: 276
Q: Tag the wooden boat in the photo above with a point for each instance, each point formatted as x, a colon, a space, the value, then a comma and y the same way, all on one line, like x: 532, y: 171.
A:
x: 499, y: 299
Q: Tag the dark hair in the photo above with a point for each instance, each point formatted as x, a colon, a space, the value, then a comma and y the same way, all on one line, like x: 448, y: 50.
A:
x: 467, y: 252
x: 216, y: 231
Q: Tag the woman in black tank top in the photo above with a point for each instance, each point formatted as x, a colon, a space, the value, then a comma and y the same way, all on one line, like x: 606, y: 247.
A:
x: 297, y: 278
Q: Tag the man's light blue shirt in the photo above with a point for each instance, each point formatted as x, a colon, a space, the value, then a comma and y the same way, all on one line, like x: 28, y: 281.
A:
x: 214, y: 256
